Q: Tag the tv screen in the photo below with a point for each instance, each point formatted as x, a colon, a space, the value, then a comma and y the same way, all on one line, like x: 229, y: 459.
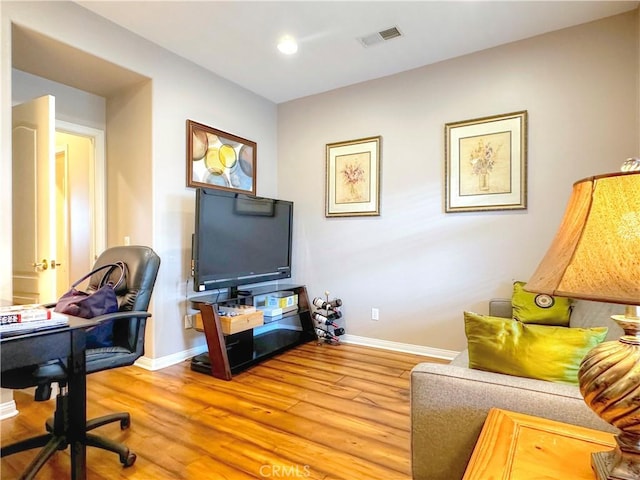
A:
x: 240, y: 239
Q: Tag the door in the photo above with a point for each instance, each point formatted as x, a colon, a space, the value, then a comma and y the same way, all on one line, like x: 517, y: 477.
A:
x: 34, y: 201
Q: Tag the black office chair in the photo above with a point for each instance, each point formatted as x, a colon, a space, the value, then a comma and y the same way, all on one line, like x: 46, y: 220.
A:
x: 133, y: 294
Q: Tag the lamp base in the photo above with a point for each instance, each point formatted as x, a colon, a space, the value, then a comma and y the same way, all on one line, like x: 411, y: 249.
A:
x: 616, y: 464
x: 608, y: 377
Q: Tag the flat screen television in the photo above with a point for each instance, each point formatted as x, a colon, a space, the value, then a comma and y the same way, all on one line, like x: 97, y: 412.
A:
x: 240, y: 240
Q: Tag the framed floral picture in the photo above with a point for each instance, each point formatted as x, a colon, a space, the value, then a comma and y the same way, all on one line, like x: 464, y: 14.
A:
x: 353, y: 178
x: 486, y: 163
x: 216, y: 159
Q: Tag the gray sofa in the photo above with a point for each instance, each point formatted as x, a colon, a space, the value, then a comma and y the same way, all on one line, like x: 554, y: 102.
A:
x: 449, y: 403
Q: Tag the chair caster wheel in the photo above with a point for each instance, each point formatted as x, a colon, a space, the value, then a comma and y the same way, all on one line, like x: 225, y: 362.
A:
x: 124, y: 423
x: 129, y: 459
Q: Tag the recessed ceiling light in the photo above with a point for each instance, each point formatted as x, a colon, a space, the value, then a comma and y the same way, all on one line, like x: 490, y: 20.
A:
x: 288, y: 45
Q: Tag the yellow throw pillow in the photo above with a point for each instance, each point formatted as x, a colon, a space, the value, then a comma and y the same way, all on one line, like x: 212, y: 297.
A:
x: 539, y: 308
x: 503, y: 345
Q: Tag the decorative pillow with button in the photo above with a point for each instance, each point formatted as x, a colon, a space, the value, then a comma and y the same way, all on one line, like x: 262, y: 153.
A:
x: 508, y: 346
x: 539, y: 308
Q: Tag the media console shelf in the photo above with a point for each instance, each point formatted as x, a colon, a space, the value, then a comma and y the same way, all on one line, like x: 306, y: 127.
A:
x: 230, y: 354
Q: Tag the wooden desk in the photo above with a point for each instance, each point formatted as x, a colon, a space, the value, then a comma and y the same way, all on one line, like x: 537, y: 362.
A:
x: 521, y: 447
x: 41, y: 346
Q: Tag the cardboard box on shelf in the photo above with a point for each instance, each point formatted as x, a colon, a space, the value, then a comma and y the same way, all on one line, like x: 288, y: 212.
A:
x: 234, y: 324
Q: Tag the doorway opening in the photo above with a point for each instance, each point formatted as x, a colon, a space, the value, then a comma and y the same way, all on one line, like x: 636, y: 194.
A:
x: 80, y: 167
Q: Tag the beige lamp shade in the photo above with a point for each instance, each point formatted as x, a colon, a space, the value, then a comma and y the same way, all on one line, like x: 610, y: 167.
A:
x: 596, y: 252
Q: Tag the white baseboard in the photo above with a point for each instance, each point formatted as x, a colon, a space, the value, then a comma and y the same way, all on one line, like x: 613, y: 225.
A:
x: 8, y: 409
x: 168, y: 360
x: 400, y: 347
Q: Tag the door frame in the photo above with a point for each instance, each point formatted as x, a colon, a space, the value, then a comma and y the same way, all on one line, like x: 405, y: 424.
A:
x: 63, y: 251
x: 97, y: 182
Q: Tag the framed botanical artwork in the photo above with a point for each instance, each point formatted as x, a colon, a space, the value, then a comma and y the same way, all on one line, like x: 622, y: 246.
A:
x: 216, y: 159
x: 353, y: 178
x: 486, y: 163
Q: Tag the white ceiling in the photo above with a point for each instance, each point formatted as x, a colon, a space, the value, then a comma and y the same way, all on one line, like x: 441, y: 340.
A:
x: 237, y: 39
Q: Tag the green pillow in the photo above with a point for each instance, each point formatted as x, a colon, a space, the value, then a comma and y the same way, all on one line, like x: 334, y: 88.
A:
x: 503, y: 345
x: 539, y: 308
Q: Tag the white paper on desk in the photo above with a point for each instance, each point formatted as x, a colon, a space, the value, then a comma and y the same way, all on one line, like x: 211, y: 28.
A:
x: 56, y: 320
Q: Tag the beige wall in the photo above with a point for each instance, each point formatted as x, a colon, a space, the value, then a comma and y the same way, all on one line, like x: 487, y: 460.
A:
x: 129, y: 167
x: 420, y: 266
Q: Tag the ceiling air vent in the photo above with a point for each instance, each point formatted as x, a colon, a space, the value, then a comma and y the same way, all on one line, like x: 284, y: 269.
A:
x: 379, y: 37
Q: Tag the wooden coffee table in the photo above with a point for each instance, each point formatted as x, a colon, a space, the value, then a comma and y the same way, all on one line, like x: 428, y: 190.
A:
x: 522, y: 447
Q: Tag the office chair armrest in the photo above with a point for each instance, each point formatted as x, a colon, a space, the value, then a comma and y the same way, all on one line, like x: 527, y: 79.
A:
x: 119, y: 315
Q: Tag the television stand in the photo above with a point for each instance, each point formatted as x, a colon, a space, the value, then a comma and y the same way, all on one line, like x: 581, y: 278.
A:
x: 231, y: 354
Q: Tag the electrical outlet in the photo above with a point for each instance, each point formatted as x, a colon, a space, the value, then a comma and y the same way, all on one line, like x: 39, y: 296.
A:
x: 188, y: 322
x: 375, y: 314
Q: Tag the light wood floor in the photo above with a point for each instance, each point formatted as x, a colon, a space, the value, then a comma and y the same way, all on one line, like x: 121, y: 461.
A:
x: 316, y: 412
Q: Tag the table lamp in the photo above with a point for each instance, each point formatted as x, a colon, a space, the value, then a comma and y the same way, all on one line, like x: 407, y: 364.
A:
x: 595, y: 255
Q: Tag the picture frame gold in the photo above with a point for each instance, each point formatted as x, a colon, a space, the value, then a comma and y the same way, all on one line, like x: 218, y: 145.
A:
x: 220, y: 160
x: 486, y: 163
x: 353, y: 178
